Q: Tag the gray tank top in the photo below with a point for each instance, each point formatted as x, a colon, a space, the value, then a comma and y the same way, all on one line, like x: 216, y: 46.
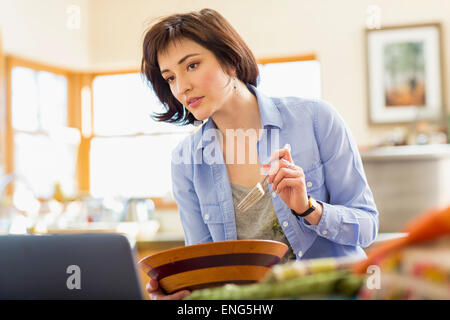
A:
x: 260, y: 221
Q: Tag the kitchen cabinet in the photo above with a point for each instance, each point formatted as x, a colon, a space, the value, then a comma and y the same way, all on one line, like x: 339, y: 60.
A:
x: 159, y: 243
x: 406, y: 181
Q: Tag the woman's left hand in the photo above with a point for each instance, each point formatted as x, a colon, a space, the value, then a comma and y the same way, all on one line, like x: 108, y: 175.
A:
x: 288, y: 180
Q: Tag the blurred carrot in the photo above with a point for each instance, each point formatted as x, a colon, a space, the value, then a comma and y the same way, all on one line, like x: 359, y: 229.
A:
x: 428, y: 226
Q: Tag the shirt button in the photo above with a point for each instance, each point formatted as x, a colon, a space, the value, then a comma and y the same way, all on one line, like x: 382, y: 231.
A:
x: 285, y: 224
x: 324, y: 232
x: 309, y: 184
x: 300, y: 253
x: 274, y: 194
x: 206, y: 216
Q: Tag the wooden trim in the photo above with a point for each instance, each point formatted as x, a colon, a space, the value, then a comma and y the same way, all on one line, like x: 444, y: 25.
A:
x: 160, y: 203
x: 9, y: 136
x: 83, y: 161
x: 15, y: 61
x: 112, y: 72
x: 73, y: 101
x: 83, y: 165
x: 306, y: 57
x: 75, y: 85
x: 3, y: 121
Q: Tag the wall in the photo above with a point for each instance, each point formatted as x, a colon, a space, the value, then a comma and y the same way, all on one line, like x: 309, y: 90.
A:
x: 334, y: 30
x: 112, y: 30
x: 37, y: 30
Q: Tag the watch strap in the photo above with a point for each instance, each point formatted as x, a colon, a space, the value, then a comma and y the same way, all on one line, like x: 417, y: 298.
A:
x: 307, y: 212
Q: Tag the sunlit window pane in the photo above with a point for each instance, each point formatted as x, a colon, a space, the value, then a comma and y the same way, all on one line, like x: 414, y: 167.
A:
x: 39, y: 104
x: 123, y: 104
x: 39, y: 100
x: 52, y: 100
x: 25, y: 99
x: 300, y: 79
x: 132, y: 167
x: 44, y: 160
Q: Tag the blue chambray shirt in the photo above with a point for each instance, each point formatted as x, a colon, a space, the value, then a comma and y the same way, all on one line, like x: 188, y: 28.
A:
x: 321, y: 144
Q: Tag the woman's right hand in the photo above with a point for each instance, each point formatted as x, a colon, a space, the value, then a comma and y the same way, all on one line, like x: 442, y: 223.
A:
x: 155, y: 292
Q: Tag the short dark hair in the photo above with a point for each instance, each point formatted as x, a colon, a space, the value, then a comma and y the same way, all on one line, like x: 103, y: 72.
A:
x: 209, y: 29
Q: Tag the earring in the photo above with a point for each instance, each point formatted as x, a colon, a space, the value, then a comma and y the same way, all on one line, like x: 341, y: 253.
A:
x: 234, y: 80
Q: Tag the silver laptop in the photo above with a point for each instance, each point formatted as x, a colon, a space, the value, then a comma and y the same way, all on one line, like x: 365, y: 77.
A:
x: 75, y: 266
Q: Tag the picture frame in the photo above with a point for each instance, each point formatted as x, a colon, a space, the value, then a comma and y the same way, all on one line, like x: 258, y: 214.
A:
x: 404, y: 73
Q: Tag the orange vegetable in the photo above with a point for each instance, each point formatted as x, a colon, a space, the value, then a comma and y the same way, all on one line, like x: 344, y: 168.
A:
x: 428, y: 226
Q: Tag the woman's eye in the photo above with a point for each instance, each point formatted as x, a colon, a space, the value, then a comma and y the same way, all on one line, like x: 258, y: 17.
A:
x: 190, y: 66
x: 193, y: 65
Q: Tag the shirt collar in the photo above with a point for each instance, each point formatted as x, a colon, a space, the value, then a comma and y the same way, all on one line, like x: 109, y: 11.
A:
x: 269, y: 113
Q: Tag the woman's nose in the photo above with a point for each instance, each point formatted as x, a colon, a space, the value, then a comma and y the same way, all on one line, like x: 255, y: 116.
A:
x: 183, y: 85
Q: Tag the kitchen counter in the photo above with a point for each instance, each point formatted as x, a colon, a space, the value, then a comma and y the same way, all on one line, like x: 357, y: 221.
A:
x: 172, y: 240
x: 161, y: 241
x: 437, y: 151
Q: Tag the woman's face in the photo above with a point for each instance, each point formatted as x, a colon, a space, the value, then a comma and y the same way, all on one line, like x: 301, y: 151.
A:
x: 192, y: 72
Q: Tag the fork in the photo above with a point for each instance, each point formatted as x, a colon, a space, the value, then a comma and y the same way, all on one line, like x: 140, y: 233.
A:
x: 257, y: 192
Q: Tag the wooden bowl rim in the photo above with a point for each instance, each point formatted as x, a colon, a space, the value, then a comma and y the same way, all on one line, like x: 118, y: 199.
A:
x: 206, y: 244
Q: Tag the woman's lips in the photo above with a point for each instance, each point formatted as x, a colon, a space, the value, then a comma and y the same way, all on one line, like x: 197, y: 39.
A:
x: 196, y: 102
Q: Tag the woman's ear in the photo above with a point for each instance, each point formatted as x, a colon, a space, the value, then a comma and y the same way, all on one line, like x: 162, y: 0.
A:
x: 230, y: 71
x: 233, y: 72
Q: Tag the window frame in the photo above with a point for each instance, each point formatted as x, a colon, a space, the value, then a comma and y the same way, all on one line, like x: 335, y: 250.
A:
x: 10, y: 63
x: 3, y: 97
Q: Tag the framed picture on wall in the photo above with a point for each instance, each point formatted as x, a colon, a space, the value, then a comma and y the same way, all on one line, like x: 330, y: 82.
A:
x: 404, y: 71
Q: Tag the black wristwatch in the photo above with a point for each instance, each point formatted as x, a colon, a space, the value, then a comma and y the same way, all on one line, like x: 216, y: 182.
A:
x: 312, y: 206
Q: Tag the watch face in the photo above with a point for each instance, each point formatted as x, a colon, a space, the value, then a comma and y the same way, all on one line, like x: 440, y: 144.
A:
x: 313, y: 202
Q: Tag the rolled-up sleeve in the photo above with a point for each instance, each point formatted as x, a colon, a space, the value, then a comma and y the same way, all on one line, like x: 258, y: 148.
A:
x: 195, y: 230
x: 350, y: 216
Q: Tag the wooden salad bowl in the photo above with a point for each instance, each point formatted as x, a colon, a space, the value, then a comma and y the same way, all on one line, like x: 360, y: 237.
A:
x: 213, y: 264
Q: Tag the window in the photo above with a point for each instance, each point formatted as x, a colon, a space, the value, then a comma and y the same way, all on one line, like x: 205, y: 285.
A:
x: 45, y: 149
x: 130, y: 152
x: 123, y: 151
x: 292, y: 78
x: 39, y: 100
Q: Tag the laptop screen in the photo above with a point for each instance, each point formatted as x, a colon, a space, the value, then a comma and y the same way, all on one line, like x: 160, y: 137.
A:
x: 68, y: 266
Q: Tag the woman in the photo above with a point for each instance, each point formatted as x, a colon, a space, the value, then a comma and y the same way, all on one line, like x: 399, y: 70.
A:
x: 200, y: 68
